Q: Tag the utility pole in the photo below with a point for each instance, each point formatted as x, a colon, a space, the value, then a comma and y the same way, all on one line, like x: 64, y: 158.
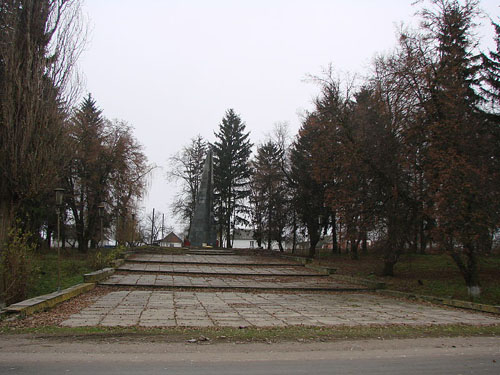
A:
x: 162, y: 225
x: 152, y: 226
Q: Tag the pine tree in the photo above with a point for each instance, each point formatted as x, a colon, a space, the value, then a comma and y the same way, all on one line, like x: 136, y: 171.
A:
x: 491, y: 64
x: 232, y: 151
x: 459, y: 161
x: 85, y: 180
x: 270, y: 193
x: 309, y: 195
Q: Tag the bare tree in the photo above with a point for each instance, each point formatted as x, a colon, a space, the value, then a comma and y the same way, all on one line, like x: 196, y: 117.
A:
x: 186, y: 166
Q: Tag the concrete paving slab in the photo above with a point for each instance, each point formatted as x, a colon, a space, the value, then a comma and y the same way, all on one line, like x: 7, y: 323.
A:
x: 157, y: 308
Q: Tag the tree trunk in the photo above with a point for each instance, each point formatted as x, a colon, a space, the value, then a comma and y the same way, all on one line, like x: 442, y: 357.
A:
x: 228, y: 230
x: 312, y: 251
x: 364, y: 243
x: 469, y: 270
x: 221, y: 237
x: 280, y: 245
x: 388, y: 268
x: 423, y: 239
x: 6, y: 221
x: 335, y: 244
x: 354, y: 249
x: 313, y: 240
x: 83, y: 245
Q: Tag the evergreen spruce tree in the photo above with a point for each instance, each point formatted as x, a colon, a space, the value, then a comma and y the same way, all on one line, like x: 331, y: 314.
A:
x: 308, y: 194
x: 232, y: 151
x: 85, y: 177
x: 460, y: 163
x: 491, y: 64
x: 270, y: 195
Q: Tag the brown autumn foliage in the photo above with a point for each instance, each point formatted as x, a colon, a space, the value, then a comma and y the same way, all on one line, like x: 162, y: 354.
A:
x: 411, y: 157
x: 107, y: 166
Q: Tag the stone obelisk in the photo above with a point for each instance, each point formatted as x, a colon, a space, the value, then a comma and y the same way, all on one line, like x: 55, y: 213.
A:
x: 203, y: 231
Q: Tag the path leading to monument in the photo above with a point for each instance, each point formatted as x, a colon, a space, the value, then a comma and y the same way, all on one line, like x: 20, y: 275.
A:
x: 233, y: 272
x: 233, y: 309
x: 152, y: 290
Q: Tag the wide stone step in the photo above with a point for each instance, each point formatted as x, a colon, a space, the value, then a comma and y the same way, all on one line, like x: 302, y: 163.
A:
x: 204, y: 252
x: 218, y: 270
x: 241, y: 260
x: 275, y: 283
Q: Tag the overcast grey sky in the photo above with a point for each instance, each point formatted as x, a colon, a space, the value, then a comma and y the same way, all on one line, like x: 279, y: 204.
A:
x: 171, y: 68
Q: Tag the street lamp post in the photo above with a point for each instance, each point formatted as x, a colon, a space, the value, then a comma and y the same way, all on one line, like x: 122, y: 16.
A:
x: 59, y: 203
x: 101, y: 215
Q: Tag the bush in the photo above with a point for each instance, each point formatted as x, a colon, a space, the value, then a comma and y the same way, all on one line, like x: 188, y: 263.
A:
x: 99, y: 260
x: 17, y: 265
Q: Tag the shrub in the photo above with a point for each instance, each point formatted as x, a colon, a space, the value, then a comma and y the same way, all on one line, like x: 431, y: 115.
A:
x: 17, y: 265
x: 98, y: 260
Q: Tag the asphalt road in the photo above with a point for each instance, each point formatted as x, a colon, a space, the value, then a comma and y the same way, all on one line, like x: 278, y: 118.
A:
x: 418, y: 356
x: 439, y: 365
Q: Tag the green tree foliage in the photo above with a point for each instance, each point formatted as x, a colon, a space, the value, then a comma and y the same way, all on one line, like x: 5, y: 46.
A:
x: 308, y: 193
x: 491, y: 76
x: 270, y: 196
x: 232, y: 150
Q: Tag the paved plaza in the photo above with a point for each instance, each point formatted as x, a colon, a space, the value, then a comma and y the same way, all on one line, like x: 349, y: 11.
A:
x: 202, y: 290
x: 235, y: 309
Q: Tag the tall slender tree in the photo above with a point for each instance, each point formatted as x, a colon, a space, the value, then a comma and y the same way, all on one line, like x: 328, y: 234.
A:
x: 232, y: 150
x: 270, y: 196
x: 187, y: 166
x: 308, y: 193
x: 37, y: 53
x: 461, y: 165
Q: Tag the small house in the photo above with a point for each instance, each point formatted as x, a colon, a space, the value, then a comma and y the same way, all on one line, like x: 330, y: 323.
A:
x: 171, y: 240
x: 244, y: 239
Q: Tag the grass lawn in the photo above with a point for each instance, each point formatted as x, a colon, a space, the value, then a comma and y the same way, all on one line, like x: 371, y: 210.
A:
x: 430, y: 274
x: 73, y: 265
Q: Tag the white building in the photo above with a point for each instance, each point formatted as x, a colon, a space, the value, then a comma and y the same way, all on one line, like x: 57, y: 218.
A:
x: 243, y: 239
x: 171, y: 240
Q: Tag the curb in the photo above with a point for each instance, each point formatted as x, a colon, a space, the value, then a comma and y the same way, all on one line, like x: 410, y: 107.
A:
x: 354, y: 280
x: 36, y: 304
x: 321, y: 269
x: 94, y: 277
x: 444, y: 301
